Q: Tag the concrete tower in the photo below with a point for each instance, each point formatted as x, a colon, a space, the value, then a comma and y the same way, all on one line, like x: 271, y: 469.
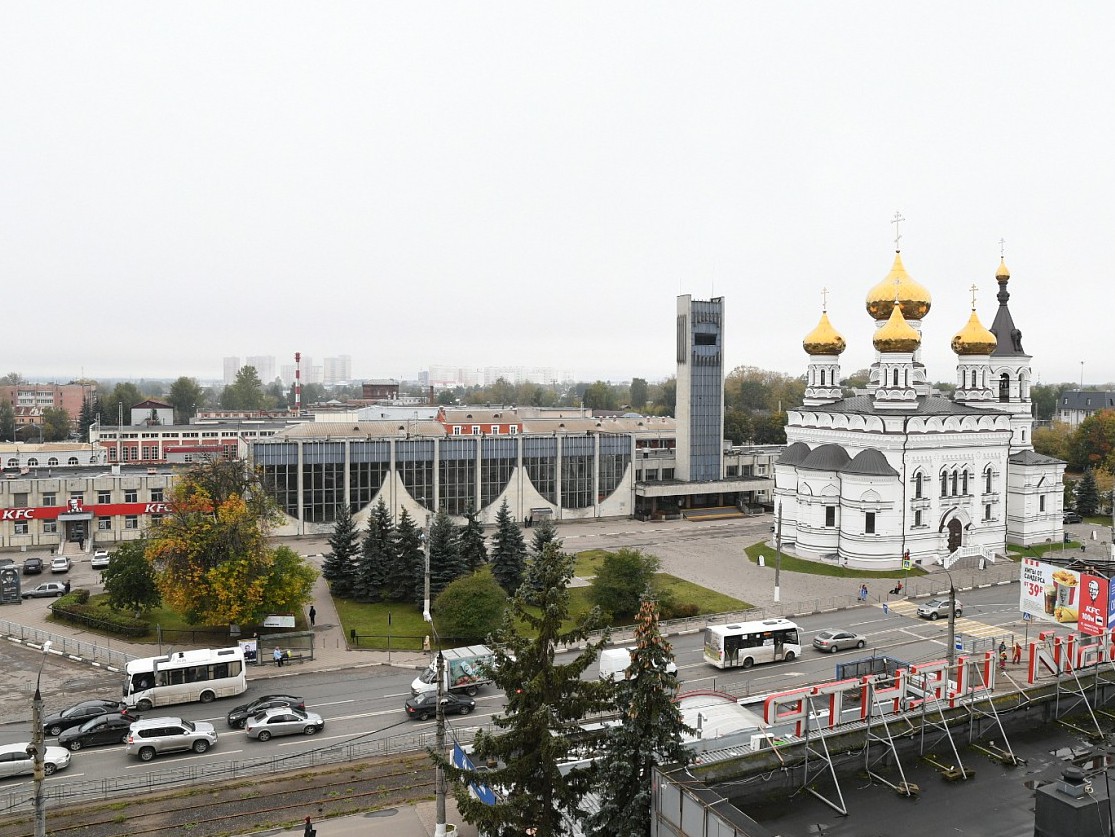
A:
x: 700, y: 389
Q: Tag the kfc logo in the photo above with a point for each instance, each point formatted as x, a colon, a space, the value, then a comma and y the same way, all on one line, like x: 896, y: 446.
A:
x: 157, y: 508
x: 75, y: 504
x: 18, y: 514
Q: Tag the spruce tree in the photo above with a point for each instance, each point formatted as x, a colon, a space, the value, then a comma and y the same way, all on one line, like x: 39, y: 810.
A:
x: 408, y: 562
x: 446, y: 565
x: 508, y: 557
x: 650, y: 734
x: 85, y: 419
x: 339, y: 566
x: 1087, y: 496
x: 377, y: 553
x: 546, y: 700
x: 545, y: 533
x: 474, y: 552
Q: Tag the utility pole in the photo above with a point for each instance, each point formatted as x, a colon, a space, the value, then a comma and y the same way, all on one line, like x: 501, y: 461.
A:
x: 439, y: 776
x: 38, y: 744
x: 777, y: 552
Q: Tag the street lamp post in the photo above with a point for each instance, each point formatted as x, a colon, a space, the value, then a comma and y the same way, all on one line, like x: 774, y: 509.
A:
x: 440, y: 788
x: 951, y: 656
x: 38, y: 744
x: 777, y: 552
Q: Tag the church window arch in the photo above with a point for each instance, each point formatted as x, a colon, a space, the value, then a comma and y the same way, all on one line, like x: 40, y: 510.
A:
x: 919, y: 478
x: 944, y: 483
x: 964, y: 481
x: 987, y: 480
x: 954, y: 483
x: 1004, y: 387
x: 895, y: 377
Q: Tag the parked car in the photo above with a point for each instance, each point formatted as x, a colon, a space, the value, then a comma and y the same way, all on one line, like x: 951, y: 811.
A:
x: 45, y: 590
x: 100, y: 559
x: 112, y: 728
x: 60, y: 564
x: 79, y: 713
x: 238, y: 717
x: 32, y: 565
x: 1072, y: 517
x: 285, y: 720
x: 155, y: 736
x: 15, y: 760
x: 424, y: 705
x: 837, y: 640
x: 936, y: 608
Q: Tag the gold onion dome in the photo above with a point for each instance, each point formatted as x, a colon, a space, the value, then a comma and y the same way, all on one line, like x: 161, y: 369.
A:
x: 1002, y: 272
x: 974, y: 339
x: 824, y: 339
x: 913, y: 298
x: 896, y: 335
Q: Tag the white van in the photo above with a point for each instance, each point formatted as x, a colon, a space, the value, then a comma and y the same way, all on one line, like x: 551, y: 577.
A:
x: 615, y: 661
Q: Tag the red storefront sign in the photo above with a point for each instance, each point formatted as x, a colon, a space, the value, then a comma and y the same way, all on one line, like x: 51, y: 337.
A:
x: 100, y: 510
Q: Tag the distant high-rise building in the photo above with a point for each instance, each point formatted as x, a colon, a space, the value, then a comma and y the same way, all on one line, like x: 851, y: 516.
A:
x: 286, y: 372
x: 337, y: 370
x: 700, y: 389
x: 232, y: 366
x: 264, y: 366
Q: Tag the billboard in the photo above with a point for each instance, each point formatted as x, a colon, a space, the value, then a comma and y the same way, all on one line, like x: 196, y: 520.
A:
x: 1057, y: 594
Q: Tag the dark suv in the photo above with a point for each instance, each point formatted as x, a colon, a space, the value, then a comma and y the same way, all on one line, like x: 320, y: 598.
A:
x: 1072, y: 517
x: 32, y: 565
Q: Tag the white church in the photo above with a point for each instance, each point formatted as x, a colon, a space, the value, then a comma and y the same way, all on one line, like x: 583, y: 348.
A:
x: 867, y: 479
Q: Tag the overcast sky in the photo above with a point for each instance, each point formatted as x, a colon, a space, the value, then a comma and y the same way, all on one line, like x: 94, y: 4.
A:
x: 534, y: 184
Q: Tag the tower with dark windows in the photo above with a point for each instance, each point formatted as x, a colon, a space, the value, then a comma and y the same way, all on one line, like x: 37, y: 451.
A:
x: 700, y: 389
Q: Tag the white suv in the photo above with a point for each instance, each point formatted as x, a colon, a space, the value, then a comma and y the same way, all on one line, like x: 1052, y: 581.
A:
x: 155, y: 736
x: 936, y: 608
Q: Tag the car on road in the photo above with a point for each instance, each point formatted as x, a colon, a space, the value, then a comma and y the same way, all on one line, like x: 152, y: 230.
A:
x: 154, y: 736
x: 79, y: 713
x: 111, y: 728
x: 238, y: 717
x: 1072, y: 517
x: 45, y: 590
x: 936, y: 608
x: 60, y: 564
x: 424, y: 706
x: 15, y: 760
x: 835, y: 639
x: 285, y: 720
x: 100, y: 559
x: 32, y: 565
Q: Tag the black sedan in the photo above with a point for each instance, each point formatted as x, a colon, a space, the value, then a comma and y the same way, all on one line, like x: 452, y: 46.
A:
x: 32, y: 565
x: 79, y: 713
x: 1072, y: 517
x: 104, y: 729
x: 424, y: 706
x: 239, y: 716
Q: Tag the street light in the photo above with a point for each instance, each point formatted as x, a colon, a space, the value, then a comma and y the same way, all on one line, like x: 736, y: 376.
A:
x: 38, y: 745
x: 440, y: 828
x: 777, y: 551
x: 951, y: 656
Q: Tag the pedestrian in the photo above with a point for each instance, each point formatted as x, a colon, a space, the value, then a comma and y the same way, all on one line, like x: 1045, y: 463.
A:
x: 66, y: 586
x: 310, y: 830
x: 313, y: 615
x: 426, y: 644
x: 278, y: 656
x: 1017, y: 652
x: 863, y: 592
x: 1003, y: 659
x: 1002, y: 648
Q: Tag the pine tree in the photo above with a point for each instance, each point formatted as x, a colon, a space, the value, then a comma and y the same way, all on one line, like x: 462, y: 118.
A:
x: 508, y: 556
x: 650, y: 734
x: 377, y: 554
x: 546, y: 700
x: 474, y: 552
x: 1087, y: 496
x: 445, y: 556
x: 545, y: 533
x: 408, y: 562
x: 85, y: 419
x: 339, y: 566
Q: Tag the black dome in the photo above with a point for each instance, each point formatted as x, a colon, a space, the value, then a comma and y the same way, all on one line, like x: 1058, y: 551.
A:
x: 826, y: 458
x: 870, y: 462
x: 794, y: 454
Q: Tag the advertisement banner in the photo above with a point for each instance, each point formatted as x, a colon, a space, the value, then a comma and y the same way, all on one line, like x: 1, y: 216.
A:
x: 1095, y: 604
x: 250, y: 647
x: 1049, y: 592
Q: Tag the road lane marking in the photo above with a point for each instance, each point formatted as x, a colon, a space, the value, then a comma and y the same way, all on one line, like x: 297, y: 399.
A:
x: 206, y: 754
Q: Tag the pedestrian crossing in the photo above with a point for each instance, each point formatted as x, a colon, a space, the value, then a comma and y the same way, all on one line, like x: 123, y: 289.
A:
x: 964, y: 626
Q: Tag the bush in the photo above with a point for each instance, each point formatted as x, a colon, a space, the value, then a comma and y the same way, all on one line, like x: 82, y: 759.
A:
x: 621, y: 581
x: 470, y: 608
x: 74, y: 607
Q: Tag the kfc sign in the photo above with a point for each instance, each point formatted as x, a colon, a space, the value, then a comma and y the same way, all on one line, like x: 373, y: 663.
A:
x: 17, y: 514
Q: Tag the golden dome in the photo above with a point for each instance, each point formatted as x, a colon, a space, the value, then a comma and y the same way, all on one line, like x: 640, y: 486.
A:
x: 896, y: 335
x: 824, y: 339
x: 974, y: 339
x: 1002, y: 272
x: 914, y: 299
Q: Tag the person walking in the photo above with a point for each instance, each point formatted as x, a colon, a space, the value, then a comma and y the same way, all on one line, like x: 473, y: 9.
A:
x: 313, y: 616
x: 310, y: 830
x: 863, y: 592
x: 277, y: 655
x: 1017, y: 652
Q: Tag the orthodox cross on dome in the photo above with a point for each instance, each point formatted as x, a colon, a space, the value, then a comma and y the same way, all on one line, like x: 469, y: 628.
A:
x: 897, y: 288
x: 973, y: 289
x: 898, y: 219
x: 825, y: 299
x: 1002, y: 248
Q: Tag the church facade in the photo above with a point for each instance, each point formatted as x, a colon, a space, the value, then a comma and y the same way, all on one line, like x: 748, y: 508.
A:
x: 903, y: 471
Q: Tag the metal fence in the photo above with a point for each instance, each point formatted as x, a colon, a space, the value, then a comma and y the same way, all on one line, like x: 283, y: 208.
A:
x: 104, y: 654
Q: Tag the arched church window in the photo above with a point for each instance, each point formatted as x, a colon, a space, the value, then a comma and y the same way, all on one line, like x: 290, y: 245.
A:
x: 987, y: 480
x: 964, y: 482
x: 1004, y: 387
x: 944, y: 484
x: 896, y: 377
x: 917, y: 485
x: 954, y: 475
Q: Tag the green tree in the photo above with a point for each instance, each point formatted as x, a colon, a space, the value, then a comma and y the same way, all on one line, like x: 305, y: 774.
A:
x: 445, y: 556
x: 340, y: 564
x: 1054, y: 440
x: 600, y: 396
x: 857, y: 380
x: 246, y: 392
x: 737, y: 426
x: 545, y: 533
x: 469, y: 609
x: 129, y: 579
x: 377, y: 553
x: 639, y: 390
x: 502, y: 392
x: 508, y: 555
x: 474, y: 552
x: 1093, y: 444
x: 546, y: 701
x: 649, y: 734
x: 11, y: 379
x: 1087, y: 497
x: 621, y: 582
x: 664, y: 397
x: 186, y: 396
x: 408, y: 565
x: 770, y: 429
x: 117, y: 408
x: 56, y: 424
x: 211, y: 554
x: 7, y: 422
x: 87, y: 416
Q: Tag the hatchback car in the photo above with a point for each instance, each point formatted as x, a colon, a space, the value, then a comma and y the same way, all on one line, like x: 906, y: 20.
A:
x: 424, y: 706
x: 61, y: 564
x: 32, y: 565
x: 15, y: 760
x: 79, y: 713
x: 1072, y: 517
x: 936, y: 608
x: 155, y: 736
x: 285, y: 720
x: 100, y: 559
x: 112, y: 728
x: 45, y: 590
x: 239, y: 716
x: 837, y: 640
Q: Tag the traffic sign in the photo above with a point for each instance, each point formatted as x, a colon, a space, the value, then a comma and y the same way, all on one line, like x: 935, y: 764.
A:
x: 1026, y: 617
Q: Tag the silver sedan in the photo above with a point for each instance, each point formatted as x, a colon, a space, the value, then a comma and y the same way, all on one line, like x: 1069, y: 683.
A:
x: 836, y: 640
x: 285, y: 720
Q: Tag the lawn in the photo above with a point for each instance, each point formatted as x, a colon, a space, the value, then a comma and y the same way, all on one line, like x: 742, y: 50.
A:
x: 798, y: 565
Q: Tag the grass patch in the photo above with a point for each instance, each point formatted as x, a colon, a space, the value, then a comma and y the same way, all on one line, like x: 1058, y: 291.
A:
x: 799, y: 565
x: 587, y: 564
x: 407, y: 628
x: 1039, y: 549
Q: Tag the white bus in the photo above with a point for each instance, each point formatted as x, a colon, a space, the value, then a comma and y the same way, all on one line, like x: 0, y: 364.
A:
x: 184, y: 677
x: 742, y: 644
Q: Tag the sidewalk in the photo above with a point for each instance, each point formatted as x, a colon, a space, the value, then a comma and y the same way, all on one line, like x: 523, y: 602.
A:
x: 412, y: 821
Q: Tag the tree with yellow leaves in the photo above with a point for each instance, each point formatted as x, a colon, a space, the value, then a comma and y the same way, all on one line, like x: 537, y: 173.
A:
x: 211, y: 556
